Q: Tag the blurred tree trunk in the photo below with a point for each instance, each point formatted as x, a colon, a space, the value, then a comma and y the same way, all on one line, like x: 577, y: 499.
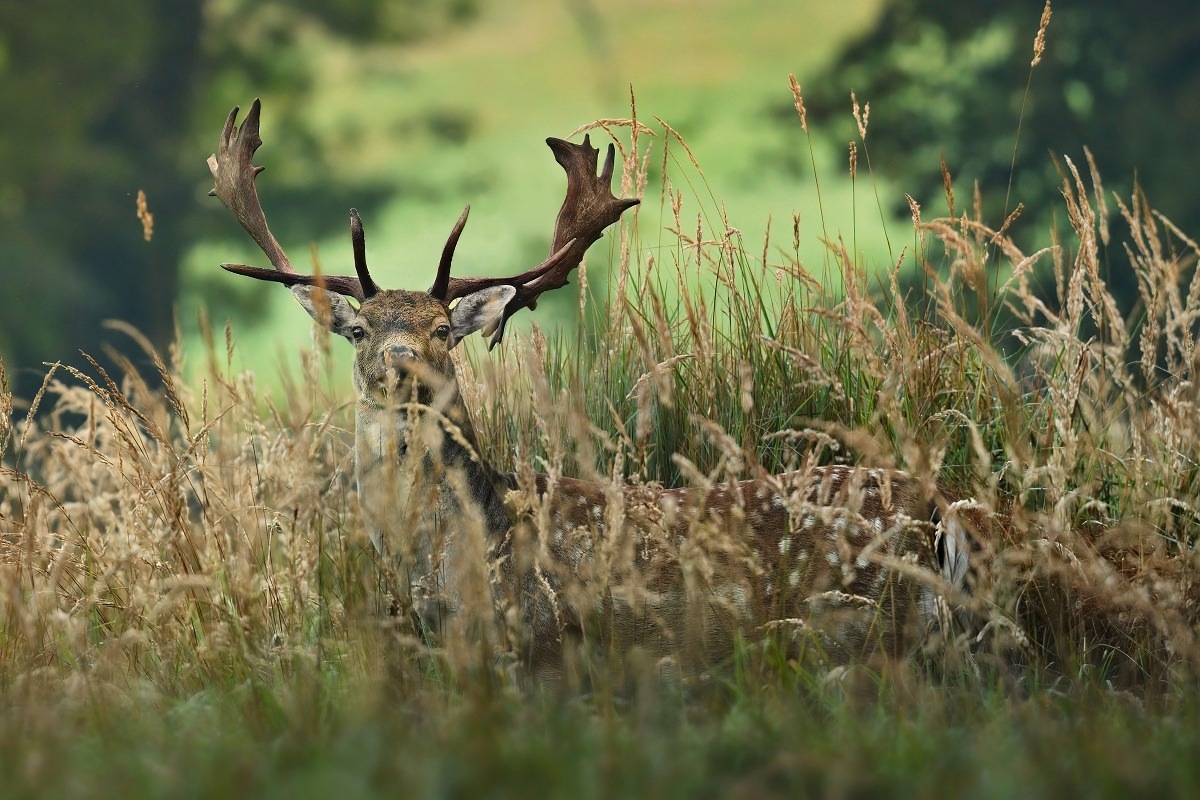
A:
x: 101, y: 94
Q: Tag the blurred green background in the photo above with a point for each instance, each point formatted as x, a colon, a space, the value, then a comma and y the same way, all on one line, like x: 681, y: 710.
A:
x: 409, y: 109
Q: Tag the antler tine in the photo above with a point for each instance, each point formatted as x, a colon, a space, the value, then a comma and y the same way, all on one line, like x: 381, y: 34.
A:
x: 233, y: 171
x: 587, y: 210
x: 610, y: 159
x: 340, y: 284
x: 442, y: 282
x: 358, y: 241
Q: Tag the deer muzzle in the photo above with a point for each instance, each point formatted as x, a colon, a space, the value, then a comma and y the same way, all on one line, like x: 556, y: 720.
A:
x: 399, y: 358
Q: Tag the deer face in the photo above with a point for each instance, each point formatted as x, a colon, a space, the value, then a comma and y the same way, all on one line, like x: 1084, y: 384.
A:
x: 402, y: 339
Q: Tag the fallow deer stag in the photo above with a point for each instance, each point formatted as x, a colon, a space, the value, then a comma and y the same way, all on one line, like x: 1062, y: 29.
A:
x: 861, y: 556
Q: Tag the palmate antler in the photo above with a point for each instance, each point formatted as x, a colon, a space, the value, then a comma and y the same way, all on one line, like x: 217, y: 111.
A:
x: 233, y: 171
x: 588, y: 209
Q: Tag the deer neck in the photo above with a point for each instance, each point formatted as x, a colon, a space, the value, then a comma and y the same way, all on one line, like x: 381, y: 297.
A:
x: 422, y: 477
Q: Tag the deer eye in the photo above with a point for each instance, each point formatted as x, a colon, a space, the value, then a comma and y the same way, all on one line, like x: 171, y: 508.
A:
x: 358, y: 333
x: 442, y: 332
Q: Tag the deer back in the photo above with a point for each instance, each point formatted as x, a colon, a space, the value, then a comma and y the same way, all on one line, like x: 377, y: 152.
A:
x: 853, y: 560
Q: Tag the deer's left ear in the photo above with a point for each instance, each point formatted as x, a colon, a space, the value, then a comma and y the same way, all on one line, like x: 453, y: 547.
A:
x: 331, y: 311
x: 478, y: 310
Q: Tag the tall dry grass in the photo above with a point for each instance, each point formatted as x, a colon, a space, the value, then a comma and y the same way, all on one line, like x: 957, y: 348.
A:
x: 175, y: 538
x: 1072, y: 427
x: 162, y: 539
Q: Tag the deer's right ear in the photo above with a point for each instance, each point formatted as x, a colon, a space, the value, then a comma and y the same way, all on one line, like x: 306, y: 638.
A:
x: 330, y: 310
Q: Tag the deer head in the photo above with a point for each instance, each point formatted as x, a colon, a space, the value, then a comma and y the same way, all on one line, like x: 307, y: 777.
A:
x: 400, y: 336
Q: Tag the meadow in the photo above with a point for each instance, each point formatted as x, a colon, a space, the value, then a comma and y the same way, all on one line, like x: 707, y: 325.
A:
x: 189, y: 605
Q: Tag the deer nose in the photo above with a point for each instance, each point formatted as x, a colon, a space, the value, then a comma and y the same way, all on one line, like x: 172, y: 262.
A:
x: 397, y: 356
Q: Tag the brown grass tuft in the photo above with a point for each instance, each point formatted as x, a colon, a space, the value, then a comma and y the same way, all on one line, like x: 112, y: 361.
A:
x: 1039, y: 41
